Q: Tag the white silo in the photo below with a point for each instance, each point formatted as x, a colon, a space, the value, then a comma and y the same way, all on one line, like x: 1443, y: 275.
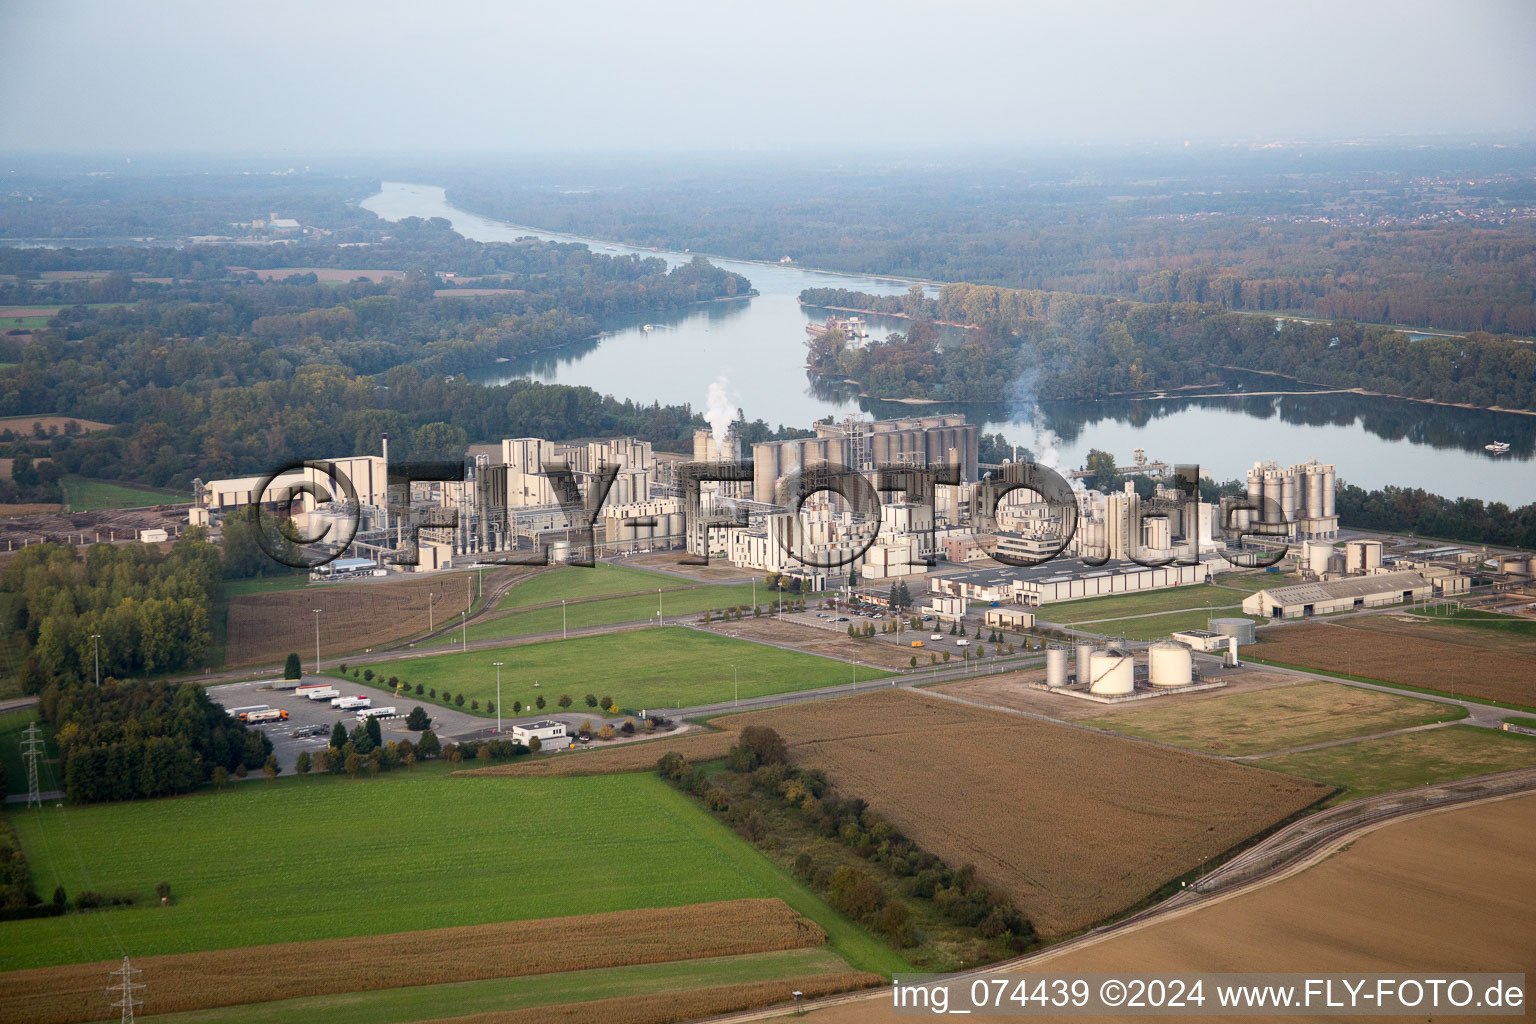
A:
x: 1288, y: 493
x: 1169, y: 663
x: 1314, y: 492
x: 1255, y: 496
x: 1112, y: 672
x: 1328, y: 481
x: 1055, y: 666
x: 1085, y: 652
x: 1274, y: 496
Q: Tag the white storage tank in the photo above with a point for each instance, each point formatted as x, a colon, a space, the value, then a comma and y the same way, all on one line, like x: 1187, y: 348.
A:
x: 1240, y: 628
x: 1112, y: 673
x: 1316, y: 555
x: 1085, y: 654
x: 1055, y: 666
x: 1169, y: 663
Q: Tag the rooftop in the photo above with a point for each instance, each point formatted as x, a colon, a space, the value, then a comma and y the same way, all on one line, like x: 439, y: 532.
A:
x: 1353, y: 586
x: 1056, y: 570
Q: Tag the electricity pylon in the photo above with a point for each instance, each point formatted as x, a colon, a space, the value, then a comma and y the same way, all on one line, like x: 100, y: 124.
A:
x: 29, y: 753
x: 125, y: 989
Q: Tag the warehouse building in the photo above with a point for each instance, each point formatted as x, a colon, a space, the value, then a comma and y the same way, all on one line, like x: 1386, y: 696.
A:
x: 551, y: 735
x: 1341, y: 595
x: 1068, y: 579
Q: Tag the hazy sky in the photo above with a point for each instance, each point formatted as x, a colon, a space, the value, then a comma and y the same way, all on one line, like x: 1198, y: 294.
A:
x: 317, y: 76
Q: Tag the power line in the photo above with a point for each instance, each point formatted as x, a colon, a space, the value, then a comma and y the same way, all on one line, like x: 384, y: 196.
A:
x: 29, y: 754
x: 125, y: 990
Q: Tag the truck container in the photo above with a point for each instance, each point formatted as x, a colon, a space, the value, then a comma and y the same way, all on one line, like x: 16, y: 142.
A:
x: 269, y: 715
x: 350, y: 703
x: 240, y: 713
x: 326, y: 694
x: 304, y: 690
x: 367, y: 713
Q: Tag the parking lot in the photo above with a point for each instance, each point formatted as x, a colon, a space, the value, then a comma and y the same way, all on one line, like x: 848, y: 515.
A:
x: 450, y: 724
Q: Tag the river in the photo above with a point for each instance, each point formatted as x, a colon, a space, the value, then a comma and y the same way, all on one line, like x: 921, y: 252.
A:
x: 753, y: 350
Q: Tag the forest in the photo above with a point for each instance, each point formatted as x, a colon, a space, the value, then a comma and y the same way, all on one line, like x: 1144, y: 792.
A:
x: 1074, y: 346
x: 225, y: 374
x: 1433, y: 237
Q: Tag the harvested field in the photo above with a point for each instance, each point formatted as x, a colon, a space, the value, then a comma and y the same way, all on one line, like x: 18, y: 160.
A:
x: 667, y: 1008
x: 628, y: 757
x: 17, y: 511
x: 667, y: 561
x: 1439, y: 893
x: 62, y: 995
x: 28, y: 424
x: 828, y: 642
x: 353, y: 616
x: 13, y: 312
x: 1273, y: 719
x: 107, y: 525
x: 1401, y: 653
x: 1075, y: 826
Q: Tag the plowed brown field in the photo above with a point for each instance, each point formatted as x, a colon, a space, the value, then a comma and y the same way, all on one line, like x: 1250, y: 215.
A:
x: 1074, y: 825
x: 1454, y: 891
x: 353, y: 616
x: 228, y: 977
x: 1399, y: 654
x: 629, y: 757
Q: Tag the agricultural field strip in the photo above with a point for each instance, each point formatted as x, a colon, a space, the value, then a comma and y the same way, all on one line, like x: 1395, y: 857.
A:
x: 667, y: 1008
x: 1120, y: 807
x: 1152, y: 615
x: 57, y: 995
x: 1303, y: 748
x: 400, y: 1005
x: 592, y: 614
x: 851, y: 1008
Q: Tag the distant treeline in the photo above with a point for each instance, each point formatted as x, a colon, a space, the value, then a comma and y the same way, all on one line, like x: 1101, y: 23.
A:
x: 1435, y: 238
x: 1412, y: 510
x: 1074, y: 346
x: 230, y: 375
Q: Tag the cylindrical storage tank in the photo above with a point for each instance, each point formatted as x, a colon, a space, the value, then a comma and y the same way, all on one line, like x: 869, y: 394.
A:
x: 1288, y: 495
x: 1314, y: 492
x: 1169, y: 664
x: 560, y: 552
x: 1327, y: 490
x: 1112, y: 672
x: 1274, y: 496
x: 1370, y: 551
x: 1085, y: 653
x: 1256, y: 492
x: 1317, y: 555
x: 1240, y: 628
x: 1055, y: 666
x: 1532, y: 567
x: 1354, y: 556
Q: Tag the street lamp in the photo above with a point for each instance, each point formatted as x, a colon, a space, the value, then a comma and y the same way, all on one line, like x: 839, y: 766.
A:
x: 317, y: 639
x: 658, y: 607
x: 464, y: 626
x: 96, y: 646
x: 498, y: 665
x: 737, y: 680
x: 430, y: 596
x: 563, y: 635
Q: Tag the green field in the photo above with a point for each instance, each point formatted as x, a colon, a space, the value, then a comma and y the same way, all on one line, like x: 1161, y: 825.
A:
x: 573, y: 583
x: 429, y: 1002
x: 1275, y: 719
x: 22, y: 323
x: 604, y: 611
x: 649, y: 668
x: 1200, y: 595
x: 86, y: 495
x: 329, y: 857
x: 1412, y: 759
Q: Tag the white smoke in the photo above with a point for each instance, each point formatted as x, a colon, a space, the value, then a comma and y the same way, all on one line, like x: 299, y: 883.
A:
x: 719, y: 410
x: 1043, y: 442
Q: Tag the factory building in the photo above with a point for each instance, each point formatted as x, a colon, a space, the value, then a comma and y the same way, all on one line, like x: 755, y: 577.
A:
x: 1340, y: 595
x: 367, y: 473
x: 1069, y: 579
x: 861, y: 445
x: 1301, y: 496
